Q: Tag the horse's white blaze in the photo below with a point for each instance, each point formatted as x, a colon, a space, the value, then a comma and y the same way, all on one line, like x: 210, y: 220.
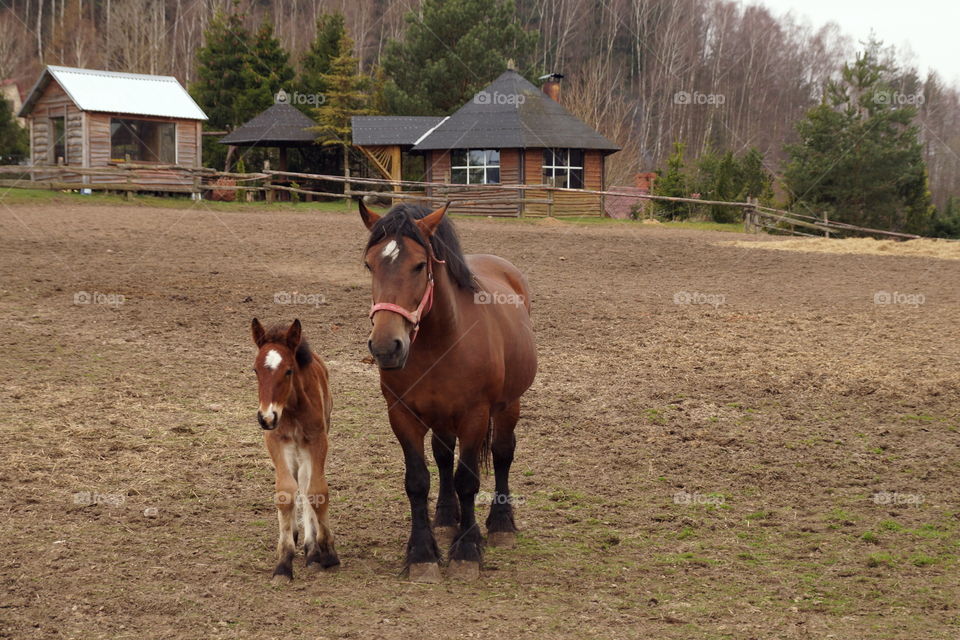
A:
x: 272, y: 408
x: 272, y: 359
x: 392, y: 250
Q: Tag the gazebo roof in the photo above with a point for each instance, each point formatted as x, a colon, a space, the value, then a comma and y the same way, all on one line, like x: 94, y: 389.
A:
x: 282, y: 125
x: 511, y: 112
x: 391, y: 130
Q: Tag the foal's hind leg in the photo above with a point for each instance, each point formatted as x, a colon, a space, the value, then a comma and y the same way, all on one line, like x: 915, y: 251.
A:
x: 501, y: 529
x: 319, y: 548
x: 447, y: 515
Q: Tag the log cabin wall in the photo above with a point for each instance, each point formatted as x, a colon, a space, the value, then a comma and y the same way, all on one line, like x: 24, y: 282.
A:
x: 486, y: 201
x: 55, y: 103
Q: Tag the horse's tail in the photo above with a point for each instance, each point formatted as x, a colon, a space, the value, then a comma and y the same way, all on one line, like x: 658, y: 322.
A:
x: 485, y: 448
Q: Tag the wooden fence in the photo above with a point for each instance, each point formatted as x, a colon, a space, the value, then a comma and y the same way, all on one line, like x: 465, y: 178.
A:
x: 488, y: 200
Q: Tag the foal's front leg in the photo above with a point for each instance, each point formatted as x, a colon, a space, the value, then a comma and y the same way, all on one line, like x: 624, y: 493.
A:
x: 285, y: 498
x: 318, y: 537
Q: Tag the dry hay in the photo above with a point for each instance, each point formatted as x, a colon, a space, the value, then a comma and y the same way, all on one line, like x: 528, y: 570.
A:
x: 924, y: 247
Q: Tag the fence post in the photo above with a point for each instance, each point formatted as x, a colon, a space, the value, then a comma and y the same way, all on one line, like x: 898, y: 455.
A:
x: 749, y: 223
x: 826, y: 232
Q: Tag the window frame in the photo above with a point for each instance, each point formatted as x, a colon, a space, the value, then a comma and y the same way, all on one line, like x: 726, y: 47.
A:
x: 468, y: 168
x: 565, y: 169
x: 156, y: 152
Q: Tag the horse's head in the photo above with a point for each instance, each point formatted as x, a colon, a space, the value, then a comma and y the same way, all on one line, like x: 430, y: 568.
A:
x: 401, y: 262
x: 275, y: 365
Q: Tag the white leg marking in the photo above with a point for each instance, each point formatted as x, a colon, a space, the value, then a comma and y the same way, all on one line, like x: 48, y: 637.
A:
x: 304, y: 475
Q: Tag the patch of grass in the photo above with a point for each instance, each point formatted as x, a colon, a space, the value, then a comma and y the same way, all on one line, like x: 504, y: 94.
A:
x: 870, y: 537
x: 760, y: 515
x: 655, y: 416
x: 686, y: 558
x: 890, y: 525
x: 922, y: 560
x: 881, y: 559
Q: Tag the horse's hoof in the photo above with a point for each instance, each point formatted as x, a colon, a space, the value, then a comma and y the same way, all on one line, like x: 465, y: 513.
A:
x: 280, y: 579
x: 444, y: 536
x: 505, y: 539
x: 323, y: 561
x: 464, y: 569
x: 428, y: 572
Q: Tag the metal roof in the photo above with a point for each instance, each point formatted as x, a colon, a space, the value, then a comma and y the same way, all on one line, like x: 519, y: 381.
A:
x: 512, y: 113
x: 114, y: 92
x: 282, y: 125
x: 390, y: 130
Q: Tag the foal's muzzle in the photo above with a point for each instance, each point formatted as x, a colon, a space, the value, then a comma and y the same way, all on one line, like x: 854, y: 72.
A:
x: 267, y: 420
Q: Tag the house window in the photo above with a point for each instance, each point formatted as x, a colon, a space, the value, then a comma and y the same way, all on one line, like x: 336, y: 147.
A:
x: 143, y: 140
x: 563, y: 168
x: 475, y: 166
x: 58, y: 148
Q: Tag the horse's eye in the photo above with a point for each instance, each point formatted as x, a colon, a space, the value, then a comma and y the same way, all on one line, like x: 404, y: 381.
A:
x: 366, y: 265
x: 419, y: 267
x: 289, y: 372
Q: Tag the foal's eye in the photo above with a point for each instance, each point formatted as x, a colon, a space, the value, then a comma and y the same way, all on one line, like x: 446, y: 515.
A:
x: 289, y: 372
x: 419, y: 267
x: 366, y: 265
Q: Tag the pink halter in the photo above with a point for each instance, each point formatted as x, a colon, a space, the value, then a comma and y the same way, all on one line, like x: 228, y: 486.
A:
x: 426, y: 302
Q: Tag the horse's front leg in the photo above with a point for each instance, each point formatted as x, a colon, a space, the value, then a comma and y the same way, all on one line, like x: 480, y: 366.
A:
x: 466, y: 552
x: 285, y: 498
x: 422, y: 553
x: 446, y: 518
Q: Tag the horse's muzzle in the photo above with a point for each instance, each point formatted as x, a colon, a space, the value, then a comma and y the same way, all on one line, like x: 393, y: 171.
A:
x: 389, y: 354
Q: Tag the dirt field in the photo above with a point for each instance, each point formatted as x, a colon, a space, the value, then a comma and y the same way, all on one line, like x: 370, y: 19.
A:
x: 723, y: 442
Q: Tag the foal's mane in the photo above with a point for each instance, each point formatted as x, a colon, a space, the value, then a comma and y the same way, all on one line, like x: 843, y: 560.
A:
x: 278, y: 334
x: 399, y: 222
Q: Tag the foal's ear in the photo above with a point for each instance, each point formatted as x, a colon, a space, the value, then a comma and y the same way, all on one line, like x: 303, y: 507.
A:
x: 429, y: 223
x: 293, y: 335
x: 259, y: 334
x: 369, y: 217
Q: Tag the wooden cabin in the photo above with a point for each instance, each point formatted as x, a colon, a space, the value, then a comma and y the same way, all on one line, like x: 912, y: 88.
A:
x: 511, y: 133
x: 87, y: 118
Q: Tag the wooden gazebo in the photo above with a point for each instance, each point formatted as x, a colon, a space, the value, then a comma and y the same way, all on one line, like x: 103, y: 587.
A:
x: 281, y: 126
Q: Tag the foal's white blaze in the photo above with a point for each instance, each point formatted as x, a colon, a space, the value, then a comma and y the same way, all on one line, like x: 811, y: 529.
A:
x: 272, y: 359
x: 392, y: 250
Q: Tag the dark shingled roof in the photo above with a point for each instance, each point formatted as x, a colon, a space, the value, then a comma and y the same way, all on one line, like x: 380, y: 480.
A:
x: 389, y: 130
x: 511, y: 112
x: 279, y: 126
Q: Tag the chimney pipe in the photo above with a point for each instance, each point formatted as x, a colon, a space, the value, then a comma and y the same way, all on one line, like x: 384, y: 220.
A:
x: 551, y: 86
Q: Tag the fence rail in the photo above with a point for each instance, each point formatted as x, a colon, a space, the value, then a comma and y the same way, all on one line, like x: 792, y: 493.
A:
x: 514, y: 200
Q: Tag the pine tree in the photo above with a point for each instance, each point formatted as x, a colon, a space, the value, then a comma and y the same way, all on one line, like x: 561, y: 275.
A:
x: 452, y: 49
x: 946, y: 223
x: 269, y: 69
x: 347, y: 95
x: 326, y: 45
x: 859, y: 158
x: 14, y: 139
x: 223, y: 73
x: 672, y: 183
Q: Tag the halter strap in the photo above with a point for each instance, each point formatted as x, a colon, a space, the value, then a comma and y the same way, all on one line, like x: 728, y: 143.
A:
x: 426, y: 302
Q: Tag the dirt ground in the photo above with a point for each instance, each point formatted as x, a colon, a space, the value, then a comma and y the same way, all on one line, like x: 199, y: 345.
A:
x: 722, y: 442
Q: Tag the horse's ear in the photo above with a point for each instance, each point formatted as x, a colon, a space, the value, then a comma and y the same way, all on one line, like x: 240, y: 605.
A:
x: 259, y: 334
x: 429, y: 223
x: 293, y: 335
x: 369, y: 217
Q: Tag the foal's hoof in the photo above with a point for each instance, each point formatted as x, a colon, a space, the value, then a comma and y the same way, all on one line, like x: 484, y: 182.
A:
x: 505, y: 539
x: 444, y: 536
x: 428, y: 572
x: 327, y: 562
x: 280, y: 579
x: 464, y: 570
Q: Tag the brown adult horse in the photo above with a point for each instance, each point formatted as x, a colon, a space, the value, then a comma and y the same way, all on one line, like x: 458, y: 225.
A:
x: 452, y: 337
x: 295, y: 416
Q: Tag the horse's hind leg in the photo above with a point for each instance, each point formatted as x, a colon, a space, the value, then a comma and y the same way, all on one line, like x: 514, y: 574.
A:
x: 447, y: 515
x: 501, y: 529
x: 318, y: 544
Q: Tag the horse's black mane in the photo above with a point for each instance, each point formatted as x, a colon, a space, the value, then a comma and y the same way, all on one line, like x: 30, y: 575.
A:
x: 278, y: 334
x: 399, y: 222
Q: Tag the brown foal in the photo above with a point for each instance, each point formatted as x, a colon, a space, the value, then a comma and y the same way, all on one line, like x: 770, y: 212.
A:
x: 295, y: 416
